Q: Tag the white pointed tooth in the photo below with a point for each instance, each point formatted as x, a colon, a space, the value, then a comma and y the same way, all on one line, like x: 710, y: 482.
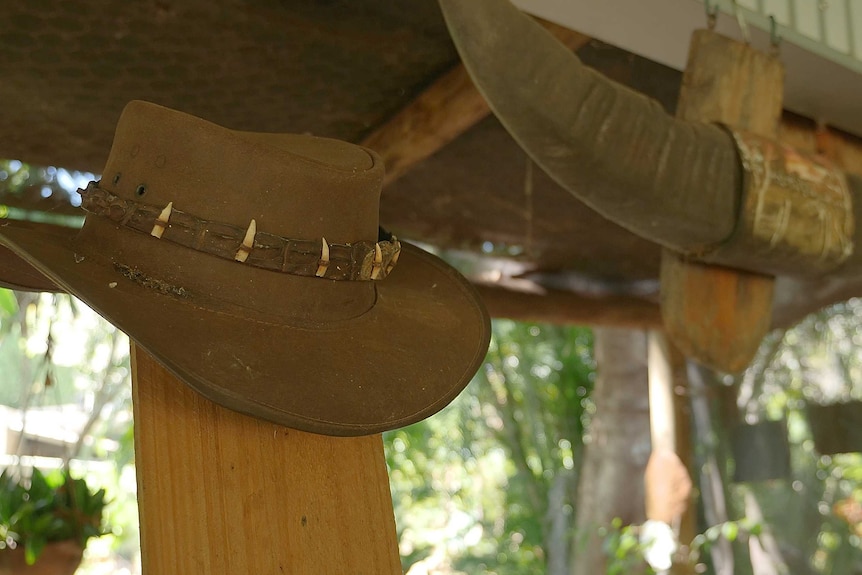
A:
x: 377, y: 262
x: 249, y: 234
x: 162, y: 221
x: 247, y: 242
x: 324, y: 259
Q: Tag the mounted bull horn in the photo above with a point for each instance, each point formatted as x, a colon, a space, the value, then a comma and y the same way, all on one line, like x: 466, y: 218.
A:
x: 698, y: 189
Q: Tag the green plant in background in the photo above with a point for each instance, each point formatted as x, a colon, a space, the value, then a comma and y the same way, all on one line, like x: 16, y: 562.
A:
x: 628, y: 550
x: 624, y: 549
x: 487, y: 485
x: 59, y: 357
x: 46, y: 509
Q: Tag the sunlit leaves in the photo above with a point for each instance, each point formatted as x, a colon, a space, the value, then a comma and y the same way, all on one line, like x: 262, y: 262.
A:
x: 8, y: 304
x: 818, y: 361
x: 43, y: 508
x: 60, y: 352
x: 481, y: 472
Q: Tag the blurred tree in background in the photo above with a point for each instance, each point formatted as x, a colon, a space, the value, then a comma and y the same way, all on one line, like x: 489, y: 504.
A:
x: 487, y: 485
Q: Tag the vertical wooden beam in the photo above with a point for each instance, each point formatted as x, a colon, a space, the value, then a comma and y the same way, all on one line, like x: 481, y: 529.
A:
x: 670, y: 426
x: 225, y: 494
x: 714, y: 314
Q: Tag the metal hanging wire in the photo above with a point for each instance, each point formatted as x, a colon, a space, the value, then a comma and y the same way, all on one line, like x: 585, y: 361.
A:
x: 743, y: 24
x: 711, y: 14
x: 774, y: 36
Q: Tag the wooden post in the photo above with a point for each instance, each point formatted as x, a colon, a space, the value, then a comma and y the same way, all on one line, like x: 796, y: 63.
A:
x: 714, y: 314
x: 225, y: 494
x: 670, y: 432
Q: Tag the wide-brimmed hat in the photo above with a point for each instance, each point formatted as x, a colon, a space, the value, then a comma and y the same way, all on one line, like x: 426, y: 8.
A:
x: 253, y: 267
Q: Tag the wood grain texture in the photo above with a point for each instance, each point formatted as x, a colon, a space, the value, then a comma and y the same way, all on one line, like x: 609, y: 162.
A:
x: 714, y: 314
x: 225, y: 494
x: 731, y: 82
x: 445, y: 110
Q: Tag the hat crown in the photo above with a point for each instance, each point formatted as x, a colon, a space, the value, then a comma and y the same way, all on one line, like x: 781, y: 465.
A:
x: 296, y: 186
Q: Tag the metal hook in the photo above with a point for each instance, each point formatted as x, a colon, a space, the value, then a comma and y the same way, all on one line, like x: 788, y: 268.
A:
x: 743, y: 25
x: 774, y: 37
x: 711, y: 14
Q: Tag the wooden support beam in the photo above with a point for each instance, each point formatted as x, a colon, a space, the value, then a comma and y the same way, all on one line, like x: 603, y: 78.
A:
x: 447, y: 109
x: 562, y: 307
x: 670, y: 427
x: 715, y: 314
x: 225, y: 494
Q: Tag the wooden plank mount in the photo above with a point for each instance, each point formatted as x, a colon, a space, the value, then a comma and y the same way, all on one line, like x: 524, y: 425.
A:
x: 714, y: 314
x: 222, y: 493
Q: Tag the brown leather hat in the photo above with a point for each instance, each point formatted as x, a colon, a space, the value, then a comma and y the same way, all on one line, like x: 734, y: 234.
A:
x: 252, y: 267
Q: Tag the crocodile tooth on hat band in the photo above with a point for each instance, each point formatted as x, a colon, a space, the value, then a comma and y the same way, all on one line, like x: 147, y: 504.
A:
x: 162, y: 221
x: 323, y: 262
x: 377, y: 263
x: 247, y: 243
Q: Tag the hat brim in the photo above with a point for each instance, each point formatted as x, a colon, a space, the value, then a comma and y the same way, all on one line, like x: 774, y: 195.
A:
x: 394, y: 365
x: 17, y: 274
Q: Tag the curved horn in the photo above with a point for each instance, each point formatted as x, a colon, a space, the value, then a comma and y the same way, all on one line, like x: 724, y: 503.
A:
x: 673, y: 182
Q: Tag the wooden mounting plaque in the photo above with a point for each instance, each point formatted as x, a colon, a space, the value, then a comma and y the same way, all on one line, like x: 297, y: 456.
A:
x: 713, y: 314
x: 222, y: 493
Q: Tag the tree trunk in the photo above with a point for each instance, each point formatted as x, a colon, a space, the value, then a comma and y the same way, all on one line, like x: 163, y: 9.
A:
x: 714, y: 409
x: 611, y: 483
x: 558, y: 521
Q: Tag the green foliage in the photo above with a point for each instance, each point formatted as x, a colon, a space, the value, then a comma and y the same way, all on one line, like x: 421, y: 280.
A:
x: 819, y: 361
x: 624, y: 549
x: 59, y: 352
x: 487, y: 485
x: 728, y: 531
x: 55, y: 351
x: 8, y: 311
x: 8, y: 304
x: 56, y: 507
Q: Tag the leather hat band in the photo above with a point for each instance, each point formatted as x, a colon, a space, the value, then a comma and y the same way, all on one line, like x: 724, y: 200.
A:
x: 357, y: 261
